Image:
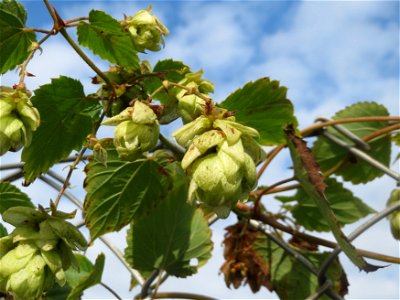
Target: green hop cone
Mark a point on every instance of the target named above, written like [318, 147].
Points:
[137, 131]
[18, 118]
[146, 30]
[394, 218]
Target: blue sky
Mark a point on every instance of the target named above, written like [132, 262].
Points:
[329, 54]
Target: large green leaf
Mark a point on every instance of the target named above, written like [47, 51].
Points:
[15, 8]
[65, 124]
[292, 280]
[263, 105]
[11, 196]
[121, 191]
[90, 279]
[308, 173]
[356, 170]
[171, 236]
[347, 208]
[14, 41]
[105, 37]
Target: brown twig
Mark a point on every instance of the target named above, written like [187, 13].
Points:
[380, 132]
[177, 295]
[271, 155]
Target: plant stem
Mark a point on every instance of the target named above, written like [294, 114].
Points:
[271, 155]
[28, 29]
[380, 132]
[176, 295]
[76, 20]
[110, 290]
[175, 148]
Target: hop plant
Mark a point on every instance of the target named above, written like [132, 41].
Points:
[137, 130]
[18, 118]
[394, 218]
[38, 251]
[222, 170]
[146, 30]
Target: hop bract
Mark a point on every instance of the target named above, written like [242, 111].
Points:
[223, 171]
[18, 118]
[37, 253]
[137, 131]
[147, 30]
[394, 218]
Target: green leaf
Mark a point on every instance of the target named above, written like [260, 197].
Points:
[308, 173]
[346, 207]
[64, 125]
[74, 276]
[105, 37]
[263, 105]
[58, 293]
[290, 279]
[3, 231]
[11, 196]
[15, 8]
[329, 155]
[90, 279]
[121, 191]
[14, 41]
[171, 236]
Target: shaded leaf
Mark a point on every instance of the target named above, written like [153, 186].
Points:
[90, 279]
[263, 105]
[307, 172]
[171, 235]
[105, 37]
[290, 279]
[74, 276]
[346, 207]
[120, 192]
[329, 155]
[58, 293]
[14, 41]
[65, 123]
[3, 231]
[11, 196]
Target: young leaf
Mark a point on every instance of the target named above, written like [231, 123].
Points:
[89, 280]
[65, 123]
[290, 279]
[105, 37]
[170, 236]
[15, 8]
[14, 41]
[346, 207]
[121, 191]
[308, 173]
[11, 196]
[353, 169]
[263, 105]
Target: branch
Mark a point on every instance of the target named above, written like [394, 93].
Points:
[176, 295]
[271, 155]
[380, 132]
[175, 148]
[110, 290]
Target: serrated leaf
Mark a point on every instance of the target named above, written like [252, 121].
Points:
[263, 105]
[15, 8]
[353, 169]
[89, 280]
[307, 172]
[290, 279]
[105, 37]
[64, 125]
[121, 191]
[14, 41]
[11, 196]
[346, 207]
[171, 236]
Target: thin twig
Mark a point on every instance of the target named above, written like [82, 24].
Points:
[175, 148]
[327, 284]
[270, 157]
[110, 290]
[380, 132]
[76, 20]
[19, 165]
[147, 284]
[27, 29]
[13, 176]
[357, 232]
[177, 295]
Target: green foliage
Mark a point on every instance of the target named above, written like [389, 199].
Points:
[65, 123]
[11, 196]
[171, 236]
[105, 37]
[121, 191]
[353, 169]
[346, 207]
[263, 105]
[15, 43]
[292, 280]
[3, 231]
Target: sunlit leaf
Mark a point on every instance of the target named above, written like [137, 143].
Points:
[105, 37]
[65, 124]
[263, 105]
[11, 196]
[171, 236]
[330, 155]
